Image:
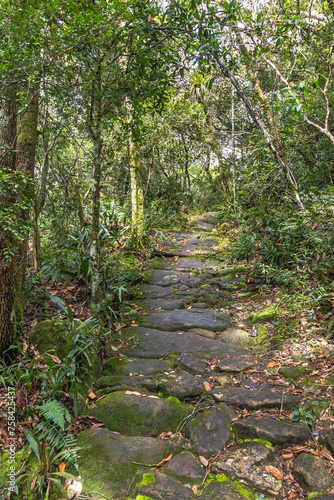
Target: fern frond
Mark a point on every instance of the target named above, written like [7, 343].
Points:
[55, 413]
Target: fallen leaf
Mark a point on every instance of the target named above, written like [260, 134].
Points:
[273, 363]
[287, 455]
[62, 467]
[207, 386]
[327, 454]
[134, 393]
[164, 461]
[91, 395]
[274, 472]
[33, 483]
[203, 461]
[55, 359]
[194, 489]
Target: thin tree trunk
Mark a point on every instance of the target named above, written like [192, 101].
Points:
[96, 134]
[233, 149]
[137, 197]
[40, 197]
[8, 121]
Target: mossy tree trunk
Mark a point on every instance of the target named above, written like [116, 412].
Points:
[8, 121]
[40, 195]
[25, 163]
[95, 128]
[137, 195]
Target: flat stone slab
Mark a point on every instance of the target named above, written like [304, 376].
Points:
[164, 487]
[247, 398]
[167, 278]
[210, 430]
[151, 343]
[157, 292]
[203, 333]
[103, 454]
[192, 364]
[181, 385]
[246, 462]
[184, 263]
[165, 305]
[235, 365]
[203, 226]
[137, 415]
[185, 320]
[186, 468]
[125, 366]
[272, 430]
[124, 382]
[222, 491]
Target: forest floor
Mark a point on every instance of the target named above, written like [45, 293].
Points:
[204, 392]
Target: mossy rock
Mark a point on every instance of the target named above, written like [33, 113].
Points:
[29, 471]
[292, 372]
[262, 335]
[50, 336]
[140, 416]
[111, 464]
[266, 316]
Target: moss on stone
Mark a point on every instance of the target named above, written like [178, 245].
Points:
[262, 335]
[114, 366]
[148, 478]
[50, 336]
[221, 478]
[124, 414]
[32, 469]
[266, 316]
[292, 372]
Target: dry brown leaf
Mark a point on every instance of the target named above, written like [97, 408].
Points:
[119, 326]
[203, 461]
[91, 395]
[287, 455]
[62, 467]
[273, 363]
[274, 472]
[327, 454]
[194, 489]
[207, 386]
[314, 452]
[33, 483]
[164, 461]
[134, 393]
[55, 359]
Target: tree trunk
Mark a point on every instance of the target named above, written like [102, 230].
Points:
[96, 134]
[40, 197]
[137, 197]
[8, 120]
[25, 163]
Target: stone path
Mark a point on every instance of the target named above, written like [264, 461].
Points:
[170, 428]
